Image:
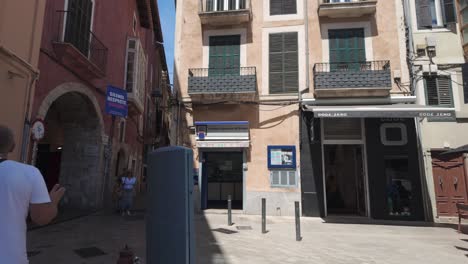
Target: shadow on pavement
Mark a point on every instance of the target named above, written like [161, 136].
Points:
[207, 249]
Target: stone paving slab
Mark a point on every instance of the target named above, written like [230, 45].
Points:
[328, 243]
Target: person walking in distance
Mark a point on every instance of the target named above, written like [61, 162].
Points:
[128, 183]
[22, 190]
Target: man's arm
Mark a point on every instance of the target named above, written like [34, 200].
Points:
[44, 213]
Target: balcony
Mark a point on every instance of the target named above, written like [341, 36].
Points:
[77, 48]
[223, 84]
[224, 12]
[346, 8]
[360, 79]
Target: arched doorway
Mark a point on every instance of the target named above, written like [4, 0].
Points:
[71, 151]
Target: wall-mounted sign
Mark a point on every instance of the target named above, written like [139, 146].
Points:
[116, 101]
[281, 157]
[223, 144]
[38, 130]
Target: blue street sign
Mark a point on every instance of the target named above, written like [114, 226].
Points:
[116, 101]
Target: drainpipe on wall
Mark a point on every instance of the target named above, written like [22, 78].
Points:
[306, 19]
[27, 121]
[428, 215]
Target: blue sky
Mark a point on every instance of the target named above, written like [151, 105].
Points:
[167, 14]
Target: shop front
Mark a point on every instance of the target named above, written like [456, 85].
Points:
[222, 150]
[363, 161]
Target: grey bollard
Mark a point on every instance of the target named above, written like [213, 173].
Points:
[229, 210]
[298, 222]
[264, 216]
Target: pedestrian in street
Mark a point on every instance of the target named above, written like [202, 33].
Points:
[128, 184]
[22, 190]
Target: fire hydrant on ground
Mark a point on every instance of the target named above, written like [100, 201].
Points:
[126, 256]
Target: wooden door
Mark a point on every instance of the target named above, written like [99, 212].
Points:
[449, 183]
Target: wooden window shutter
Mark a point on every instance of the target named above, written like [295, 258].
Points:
[449, 11]
[423, 14]
[431, 91]
[438, 91]
[444, 87]
[283, 62]
[283, 7]
[276, 7]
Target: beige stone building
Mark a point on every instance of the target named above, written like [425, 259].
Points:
[20, 41]
[440, 80]
[303, 100]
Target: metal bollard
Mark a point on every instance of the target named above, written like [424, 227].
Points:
[298, 222]
[264, 216]
[229, 210]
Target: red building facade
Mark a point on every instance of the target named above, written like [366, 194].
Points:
[86, 46]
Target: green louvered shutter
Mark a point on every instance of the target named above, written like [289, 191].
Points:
[283, 63]
[79, 24]
[224, 55]
[283, 7]
[438, 91]
[347, 48]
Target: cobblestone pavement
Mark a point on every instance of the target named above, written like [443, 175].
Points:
[327, 243]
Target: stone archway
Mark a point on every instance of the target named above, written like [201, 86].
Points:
[71, 152]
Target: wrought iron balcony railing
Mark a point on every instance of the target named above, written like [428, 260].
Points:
[73, 30]
[222, 80]
[369, 74]
[223, 5]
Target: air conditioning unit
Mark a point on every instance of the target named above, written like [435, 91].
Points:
[430, 69]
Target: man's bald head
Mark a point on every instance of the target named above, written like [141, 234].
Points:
[7, 140]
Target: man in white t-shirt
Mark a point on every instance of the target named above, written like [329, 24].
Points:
[22, 190]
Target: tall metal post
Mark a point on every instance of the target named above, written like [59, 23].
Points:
[108, 157]
[298, 222]
[229, 211]
[264, 216]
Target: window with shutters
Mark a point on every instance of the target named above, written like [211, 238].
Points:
[435, 13]
[136, 69]
[283, 178]
[283, 7]
[283, 63]
[347, 48]
[439, 91]
[224, 55]
[78, 24]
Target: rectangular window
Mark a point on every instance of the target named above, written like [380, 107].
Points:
[78, 24]
[439, 91]
[283, 7]
[224, 55]
[136, 69]
[283, 62]
[283, 178]
[435, 13]
[347, 48]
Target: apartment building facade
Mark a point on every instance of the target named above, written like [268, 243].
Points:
[88, 45]
[438, 66]
[239, 69]
[20, 42]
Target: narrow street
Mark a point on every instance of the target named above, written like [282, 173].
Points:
[97, 239]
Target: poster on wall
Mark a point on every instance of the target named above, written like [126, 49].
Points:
[281, 157]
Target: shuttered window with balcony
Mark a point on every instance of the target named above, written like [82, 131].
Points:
[78, 24]
[283, 62]
[347, 48]
[224, 55]
[283, 7]
[439, 91]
